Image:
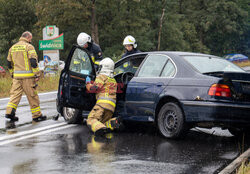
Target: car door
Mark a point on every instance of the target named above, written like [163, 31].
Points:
[72, 86]
[145, 87]
[129, 64]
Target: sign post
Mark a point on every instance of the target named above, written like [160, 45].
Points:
[51, 44]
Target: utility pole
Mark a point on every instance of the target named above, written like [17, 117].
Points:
[94, 26]
[160, 29]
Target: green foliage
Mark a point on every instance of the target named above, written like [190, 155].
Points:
[215, 27]
[71, 17]
[15, 18]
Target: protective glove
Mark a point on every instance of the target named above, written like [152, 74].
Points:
[88, 79]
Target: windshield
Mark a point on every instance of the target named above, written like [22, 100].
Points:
[205, 64]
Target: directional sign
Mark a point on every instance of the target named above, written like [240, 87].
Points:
[52, 44]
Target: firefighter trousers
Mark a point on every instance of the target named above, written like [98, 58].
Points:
[28, 86]
[100, 118]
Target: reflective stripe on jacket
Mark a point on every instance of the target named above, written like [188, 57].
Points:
[20, 55]
[105, 89]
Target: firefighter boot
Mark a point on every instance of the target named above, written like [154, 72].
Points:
[117, 124]
[11, 117]
[102, 131]
[41, 118]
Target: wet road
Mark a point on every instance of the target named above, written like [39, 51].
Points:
[62, 148]
[139, 150]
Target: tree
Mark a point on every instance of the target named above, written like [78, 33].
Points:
[71, 17]
[15, 18]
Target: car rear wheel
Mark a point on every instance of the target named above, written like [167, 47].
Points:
[170, 121]
[72, 115]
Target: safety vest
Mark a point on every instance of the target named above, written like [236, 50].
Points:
[105, 89]
[20, 54]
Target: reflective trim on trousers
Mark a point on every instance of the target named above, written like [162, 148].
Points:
[12, 105]
[108, 125]
[35, 110]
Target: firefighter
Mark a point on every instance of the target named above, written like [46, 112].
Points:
[85, 41]
[22, 63]
[100, 118]
[130, 45]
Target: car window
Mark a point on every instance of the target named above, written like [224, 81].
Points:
[130, 65]
[80, 62]
[169, 70]
[153, 65]
[205, 64]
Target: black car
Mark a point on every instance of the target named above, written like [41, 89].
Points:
[174, 90]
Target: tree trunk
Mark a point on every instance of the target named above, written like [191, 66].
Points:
[94, 26]
[159, 34]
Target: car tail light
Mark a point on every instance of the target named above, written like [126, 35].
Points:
[219, 90]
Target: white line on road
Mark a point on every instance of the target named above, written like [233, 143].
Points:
[31, 131]
[36, 134]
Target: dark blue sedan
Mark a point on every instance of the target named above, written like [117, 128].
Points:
[174, 90]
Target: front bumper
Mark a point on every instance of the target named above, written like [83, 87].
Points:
[219, 112]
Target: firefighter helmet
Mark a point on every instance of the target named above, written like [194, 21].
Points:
[107, 67]
[83, 38]
[130, 40]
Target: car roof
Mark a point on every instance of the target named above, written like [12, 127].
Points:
[178, 53]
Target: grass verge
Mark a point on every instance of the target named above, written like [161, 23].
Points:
[46, 84]
[243, 64]
[244, 168]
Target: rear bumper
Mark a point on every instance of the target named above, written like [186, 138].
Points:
[220, 112]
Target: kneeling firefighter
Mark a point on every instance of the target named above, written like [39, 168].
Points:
[100, 119]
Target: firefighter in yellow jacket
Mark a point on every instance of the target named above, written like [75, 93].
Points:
[100, 118]
[22, 63]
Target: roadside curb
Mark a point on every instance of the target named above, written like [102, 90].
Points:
[236, 163]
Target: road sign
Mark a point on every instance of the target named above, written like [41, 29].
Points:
[52, 44]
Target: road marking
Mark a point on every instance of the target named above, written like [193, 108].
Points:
[31, 131]
[36, 134]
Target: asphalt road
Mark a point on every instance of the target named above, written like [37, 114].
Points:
[48, 107]
[55, 147]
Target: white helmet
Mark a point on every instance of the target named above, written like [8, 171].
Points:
[107, 67]
[83, 38]
[130, 40]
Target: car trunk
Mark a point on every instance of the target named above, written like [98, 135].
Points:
[239, 83]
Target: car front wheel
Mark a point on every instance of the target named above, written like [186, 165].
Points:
[170, 121]
[72, 115]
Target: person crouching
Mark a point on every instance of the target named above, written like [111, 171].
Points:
[100, 119]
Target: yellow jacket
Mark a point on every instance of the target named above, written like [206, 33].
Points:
[19, 55]
[105, 89]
